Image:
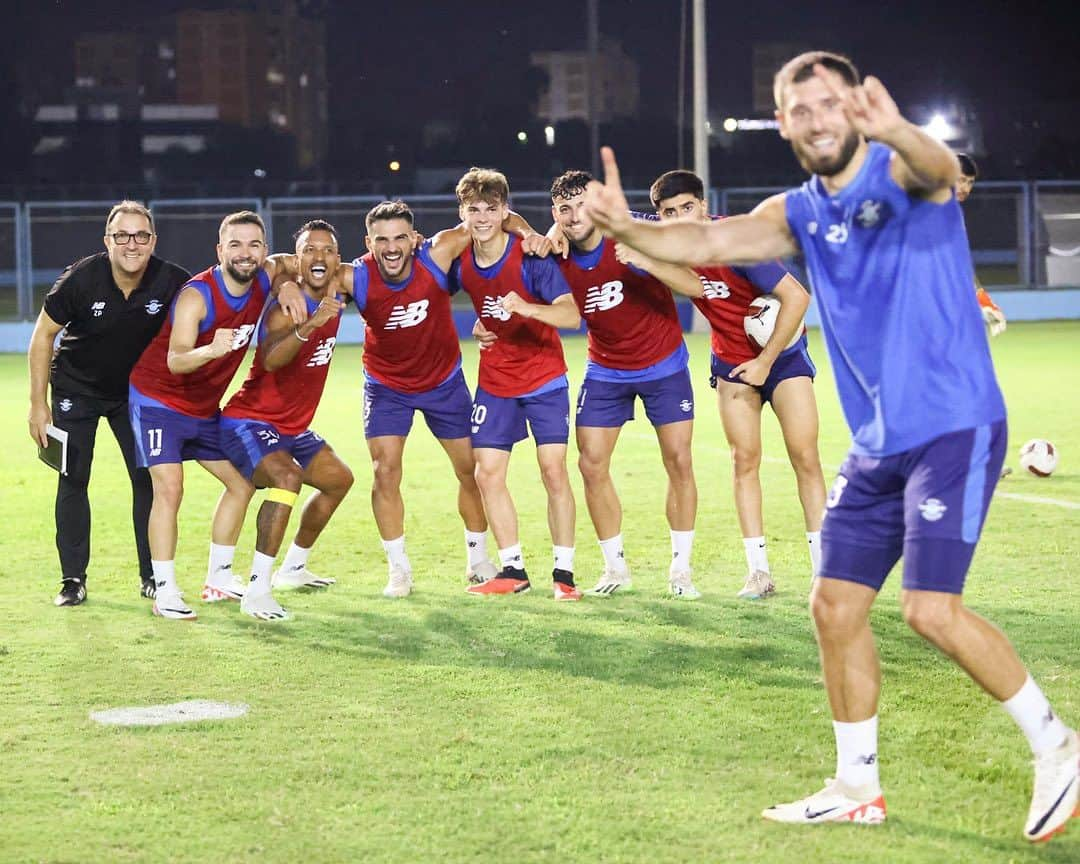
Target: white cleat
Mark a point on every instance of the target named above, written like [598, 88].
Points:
[221, 586]
[835, 803]
[299, 577]
[758, 586]
[399, 584]
[262, 606]
[483, 572]
[172, 606]
[610, 582]
[681, 586]
[1054, 801]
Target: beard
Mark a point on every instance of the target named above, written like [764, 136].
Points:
[828, 166]
[239, 276]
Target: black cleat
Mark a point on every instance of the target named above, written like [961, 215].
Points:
[148, 589]
[72, 593]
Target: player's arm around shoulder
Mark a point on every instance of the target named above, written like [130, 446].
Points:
[188, 314]
[562, 312]
[446, 246]
[681, 280]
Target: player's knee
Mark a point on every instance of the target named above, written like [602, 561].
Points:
[488, 478]
[555, 478]
[169, 491]
[832, 616]
[745, 461]
[593, 469]
[286, 476]
[679, 463]
[930, 617]
[386, 473]
[805, 460]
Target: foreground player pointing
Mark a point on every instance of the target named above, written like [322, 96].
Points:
[885, 245]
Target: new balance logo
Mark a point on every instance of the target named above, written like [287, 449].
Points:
[492, 309]
[407, 316]
[324, 351]
[98, 308]
[600, 298]
[242, 335]
[714, 289]
[866, 760]
[268, 436]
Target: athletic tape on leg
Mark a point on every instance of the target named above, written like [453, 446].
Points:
[282, 496]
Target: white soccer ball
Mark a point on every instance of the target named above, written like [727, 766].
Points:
[760, 321]
[1039, 457]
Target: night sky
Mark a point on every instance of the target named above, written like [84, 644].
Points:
[394, 65]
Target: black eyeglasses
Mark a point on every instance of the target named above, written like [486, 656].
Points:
[122, 238]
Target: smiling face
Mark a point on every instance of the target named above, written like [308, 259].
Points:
[573, 218]
[483, 218]
[317, 252]
[813, 121]
[390, 242]
[242, 250]
[129, 258]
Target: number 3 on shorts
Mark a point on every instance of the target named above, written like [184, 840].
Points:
[838, 487]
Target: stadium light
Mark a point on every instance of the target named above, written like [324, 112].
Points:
[730, 124]
[395, 165]
[549, 136]
[522, 136]
[939, 128]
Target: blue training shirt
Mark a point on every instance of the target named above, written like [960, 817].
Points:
[892, 277]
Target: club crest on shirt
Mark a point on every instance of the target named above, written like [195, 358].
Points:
[869, 213]
[65, 405]
[154, 306]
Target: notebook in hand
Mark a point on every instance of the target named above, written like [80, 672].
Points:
[56, 454]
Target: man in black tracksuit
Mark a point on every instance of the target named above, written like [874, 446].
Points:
[110, 306]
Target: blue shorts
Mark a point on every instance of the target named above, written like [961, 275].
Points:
[166, 437]
[611, 403]
[248, 442]
[927, 504]
[446, 408]
[794, 363]
[498, 422]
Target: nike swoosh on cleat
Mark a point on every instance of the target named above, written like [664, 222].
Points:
[811, 814]
[1037, 827]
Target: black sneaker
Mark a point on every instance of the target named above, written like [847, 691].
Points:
[148, 589]
[72, 593]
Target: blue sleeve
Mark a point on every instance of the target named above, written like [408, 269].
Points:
[359, 284]
[453, 278]
[208, 299]
[764, 276]
[423, 254]
[544, 279]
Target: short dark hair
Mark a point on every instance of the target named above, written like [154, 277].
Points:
[801, 68]
[316, 225]
[242, 217]
[397, 209]
[967, 166]
[677, 182]
[570, 183]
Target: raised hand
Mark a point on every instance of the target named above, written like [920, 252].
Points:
[606, 202]
[868, 106]
[515, 305]
[536, 244]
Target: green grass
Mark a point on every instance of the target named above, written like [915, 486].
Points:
[447, 728]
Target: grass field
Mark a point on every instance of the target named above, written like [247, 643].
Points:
[448, 728]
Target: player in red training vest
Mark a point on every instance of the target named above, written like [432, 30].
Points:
[412, 362]
[176, 387]
[636, 349]
[746, 377]
[265, 434]
[522, 385]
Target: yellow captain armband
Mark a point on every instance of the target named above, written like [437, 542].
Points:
[282, 496]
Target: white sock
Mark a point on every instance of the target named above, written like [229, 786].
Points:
[295, 558]
[164, 576]
[395, 554]
[856, 752]
[261, 565]
[614, 558]
[813, 540]
[682, 542]
[564, 558]
[476, 546]
[756, 557]
[221, 561]
[1036, 719]
[511, 557]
